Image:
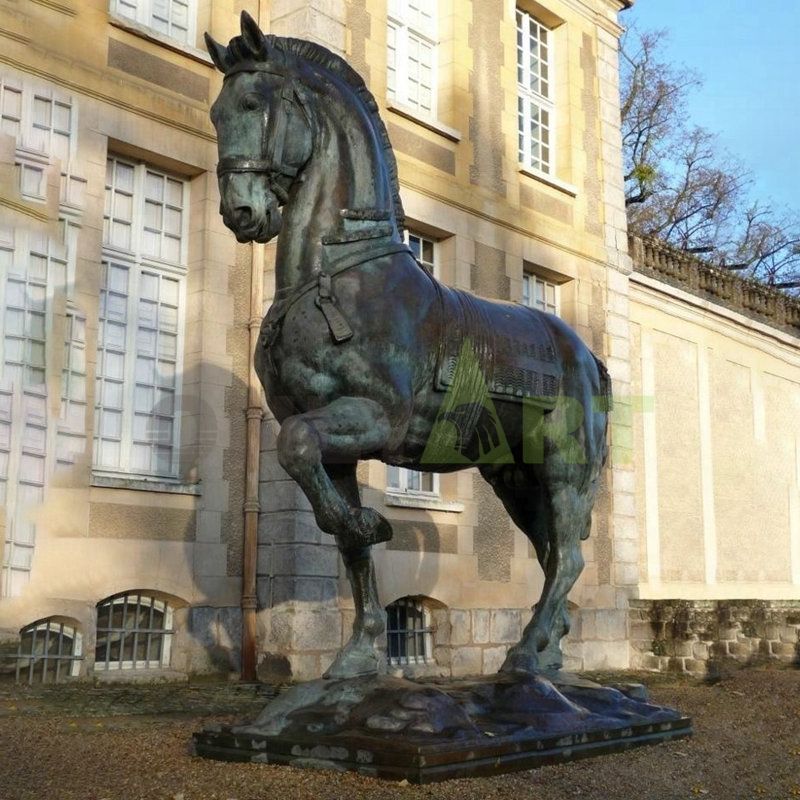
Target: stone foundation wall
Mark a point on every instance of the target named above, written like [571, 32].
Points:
[704, 636]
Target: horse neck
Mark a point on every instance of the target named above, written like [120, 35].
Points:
[346, 171]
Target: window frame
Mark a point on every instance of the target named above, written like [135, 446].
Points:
[401, 487]
[421, 612]
[533, 281]
[398, 20]
[73, 659]
[144, 15]
[528, 98]
[167, 632]
[138, 264]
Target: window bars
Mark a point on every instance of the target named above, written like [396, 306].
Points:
[48, 651]
[409, 633]
[134, 631]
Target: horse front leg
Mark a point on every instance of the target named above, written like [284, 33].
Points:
[358, 656]
[339, 433]
[320, 449]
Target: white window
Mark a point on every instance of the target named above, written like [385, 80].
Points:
[48, 651]
[535, 108]
[31, 267]
[71, 438]
[400, 479]
[134, 631]
[424, 249]
[141, 321]
[411, 54]
[539, 293]
[409, 634]
[173, 18]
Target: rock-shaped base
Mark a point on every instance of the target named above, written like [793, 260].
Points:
[438, 729]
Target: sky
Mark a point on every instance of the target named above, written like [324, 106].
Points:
[748, 54]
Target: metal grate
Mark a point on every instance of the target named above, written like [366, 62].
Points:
[48, 651]
[409, 634]
[134, 631]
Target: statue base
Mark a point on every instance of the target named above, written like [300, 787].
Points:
[438, 729]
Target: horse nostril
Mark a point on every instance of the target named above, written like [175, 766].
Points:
[243, 214]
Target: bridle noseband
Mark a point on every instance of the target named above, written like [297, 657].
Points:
[273, 139]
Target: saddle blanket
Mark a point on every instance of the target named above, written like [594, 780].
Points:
[501, 349]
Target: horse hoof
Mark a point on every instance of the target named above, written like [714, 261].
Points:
[372, 527]
[353, 664]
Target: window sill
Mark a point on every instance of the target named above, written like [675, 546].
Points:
[555, 183]
[153, 675]
[432, 125]
[144, 484]
[408, 500]
[137, 29]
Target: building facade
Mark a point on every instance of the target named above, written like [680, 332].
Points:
[145, 509]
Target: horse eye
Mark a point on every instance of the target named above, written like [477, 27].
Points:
[251, 102]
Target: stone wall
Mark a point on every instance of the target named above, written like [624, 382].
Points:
[704, 637]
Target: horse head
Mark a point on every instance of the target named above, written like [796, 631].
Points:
[264, 131]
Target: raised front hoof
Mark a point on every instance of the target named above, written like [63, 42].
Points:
[368, 527]
[355, 662]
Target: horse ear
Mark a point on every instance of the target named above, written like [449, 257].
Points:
[218, 52]
[252, 35]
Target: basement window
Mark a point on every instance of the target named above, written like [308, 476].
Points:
[49, 651]
[134, 631]
[409, 632]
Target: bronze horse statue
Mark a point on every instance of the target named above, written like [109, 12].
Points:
[364, 355]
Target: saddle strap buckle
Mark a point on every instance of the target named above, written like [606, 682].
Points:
[325, 301]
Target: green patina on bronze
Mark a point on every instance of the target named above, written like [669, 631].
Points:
[365, 355]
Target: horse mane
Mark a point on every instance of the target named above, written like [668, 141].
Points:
[287, 48]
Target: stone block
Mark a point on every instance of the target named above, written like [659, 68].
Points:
[441, 626]
[505, 626]
[442, 655]
[695, 666]
[304, 666]
[460, 632]
[790, 634]
[493, 658]
[784, 650]
[650, 662]
[611, 625]
[700, 651]
[606, 655]
[306, 630]
[318, 560]
[304, 589]
[740, 649]
[466, 661]
[480, 626]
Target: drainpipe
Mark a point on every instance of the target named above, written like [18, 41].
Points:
[252, 507]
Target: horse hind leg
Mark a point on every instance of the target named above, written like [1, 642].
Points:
[526, 501]
[539, 647]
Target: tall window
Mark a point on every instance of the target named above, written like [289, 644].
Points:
[539, 293]
[535, 109]
[48, 651]
[141, 315]
[409, 632]
[134, 631]
[173, 18]
[31, 269]
[411, 54]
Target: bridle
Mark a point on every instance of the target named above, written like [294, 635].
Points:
[273, 138]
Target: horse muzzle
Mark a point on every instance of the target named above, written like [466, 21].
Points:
[251, 225]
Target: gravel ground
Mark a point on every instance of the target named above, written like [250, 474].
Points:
[131, 742]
